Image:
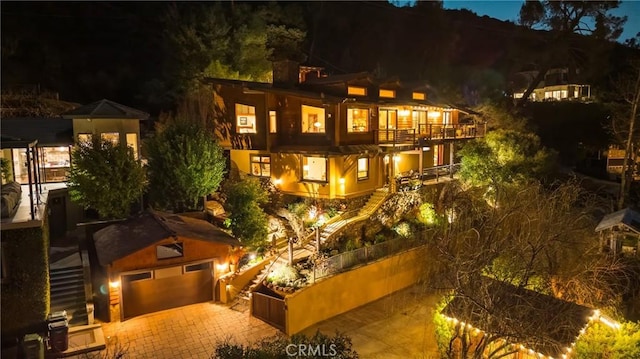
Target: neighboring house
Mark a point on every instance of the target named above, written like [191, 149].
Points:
[615, 160]
[559, 84]
[535, 325]
[157, 261]
[620, 232]
[339, 136]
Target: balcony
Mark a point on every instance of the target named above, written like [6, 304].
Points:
[414, 137]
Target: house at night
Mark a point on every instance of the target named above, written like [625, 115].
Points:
[559, 84]
[338, 137]
[615, 161]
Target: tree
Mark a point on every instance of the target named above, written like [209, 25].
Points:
[627, 91]
[106, 177]
[184, 164]
[538, 239]
[564, 19]
[602, 341]
[244, 198]
[504, 157]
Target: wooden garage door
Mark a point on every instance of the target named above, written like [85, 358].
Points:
[160, 289]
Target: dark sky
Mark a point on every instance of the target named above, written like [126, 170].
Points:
[509, 9]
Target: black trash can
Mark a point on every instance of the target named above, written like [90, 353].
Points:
[59, 335]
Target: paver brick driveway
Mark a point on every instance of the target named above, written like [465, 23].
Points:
[185, 332]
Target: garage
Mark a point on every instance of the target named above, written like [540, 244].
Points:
[166, 288]
[158, 261]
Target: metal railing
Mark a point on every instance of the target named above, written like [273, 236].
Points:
[426, 132]
[343, 261]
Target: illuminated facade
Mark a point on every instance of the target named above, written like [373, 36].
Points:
[338, 136]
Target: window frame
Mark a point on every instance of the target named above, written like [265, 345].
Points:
[350, 119]
[273, 121]
[305, 163]
[179, 244]
[114, 142]
[251, 122]
[321, 118]
[260, 162]
[366, 171]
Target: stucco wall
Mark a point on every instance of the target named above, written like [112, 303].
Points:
[238, 282]
[193, 250]
[354, 288]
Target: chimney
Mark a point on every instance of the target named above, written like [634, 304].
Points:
[285, 73]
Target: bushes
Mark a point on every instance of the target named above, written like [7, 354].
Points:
[320, 345]
[25, 291]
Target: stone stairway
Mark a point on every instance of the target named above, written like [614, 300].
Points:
[374, 202]
[67, 293]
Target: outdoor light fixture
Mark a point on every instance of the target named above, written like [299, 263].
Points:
[386, 159]
[277, 181]
[252, 256]
[341, 180]
[396, 158]
[222, 266]
[426, 149]
[114, 284]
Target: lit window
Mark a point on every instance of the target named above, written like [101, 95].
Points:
[357, 120]
[564, 94]
[113, 137]
[272, 122]
[171, 250]
[314, 168]
[446, 118]
[261, 166]
[419, 96]
[312, 119]
[358, 91]
[518, 95]
[363, 168]
[84, 137]
[419, 119]
[245, 119]
[56, 162]
[132, 141]
[387, 93]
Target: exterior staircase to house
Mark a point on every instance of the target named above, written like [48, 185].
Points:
[372, 205]
[67, 293]
[308, 247]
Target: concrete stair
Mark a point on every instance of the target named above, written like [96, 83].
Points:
[67, 293]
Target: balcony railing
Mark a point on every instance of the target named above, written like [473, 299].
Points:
[429, 132]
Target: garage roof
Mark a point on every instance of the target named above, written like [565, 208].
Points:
[121, 239]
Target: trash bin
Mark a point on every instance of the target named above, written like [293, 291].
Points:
[57, 316]
[33, 346]
[59, 335]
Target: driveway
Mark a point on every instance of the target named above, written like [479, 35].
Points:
[397, 326]
[186, 332]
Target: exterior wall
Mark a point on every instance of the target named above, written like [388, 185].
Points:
[346, 167]
[102, 125]
[241, 159]
[193, 250]
[286, 170]
[230, 286]
[230, 96]
[354, 288]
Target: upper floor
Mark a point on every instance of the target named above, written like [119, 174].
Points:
[335, 111]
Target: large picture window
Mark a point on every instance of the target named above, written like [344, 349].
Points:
[363, 168]
[357, 120]
[261, 166]
[313, 119]
[314, 168]
[245, 118]
[56, 163]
